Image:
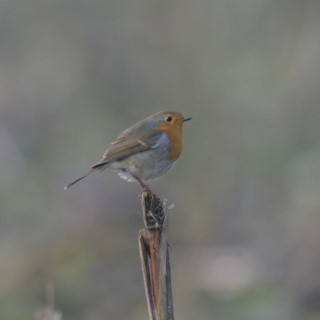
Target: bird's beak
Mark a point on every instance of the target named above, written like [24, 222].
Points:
[186, 119]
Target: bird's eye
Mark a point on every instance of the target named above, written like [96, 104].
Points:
[168, 119]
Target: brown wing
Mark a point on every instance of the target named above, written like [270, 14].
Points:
[138, 138]
[126, 146]
[121, 149]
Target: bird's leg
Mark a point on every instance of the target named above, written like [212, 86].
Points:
[142, 184]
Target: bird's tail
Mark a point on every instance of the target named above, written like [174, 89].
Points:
[80, 178]
[99, 166]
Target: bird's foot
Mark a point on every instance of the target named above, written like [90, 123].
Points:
[144, 186]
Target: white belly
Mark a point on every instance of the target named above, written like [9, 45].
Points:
[148, 165]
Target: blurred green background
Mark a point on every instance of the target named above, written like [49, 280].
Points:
[244, 233]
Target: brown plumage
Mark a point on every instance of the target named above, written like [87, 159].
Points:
[146, 150]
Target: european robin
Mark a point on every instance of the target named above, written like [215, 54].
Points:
[145, 151]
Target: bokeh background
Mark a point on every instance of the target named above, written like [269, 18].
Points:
[244, 232]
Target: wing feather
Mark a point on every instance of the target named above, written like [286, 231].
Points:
[126, 146]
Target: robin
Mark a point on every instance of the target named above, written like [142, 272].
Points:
[145, 151]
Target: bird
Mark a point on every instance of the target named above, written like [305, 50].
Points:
[144, 151]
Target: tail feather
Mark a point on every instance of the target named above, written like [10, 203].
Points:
[77, 180]
[99, 166]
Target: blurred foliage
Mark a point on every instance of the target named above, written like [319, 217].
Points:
[245, 229]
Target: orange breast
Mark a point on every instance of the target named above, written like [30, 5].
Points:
[174, 133]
